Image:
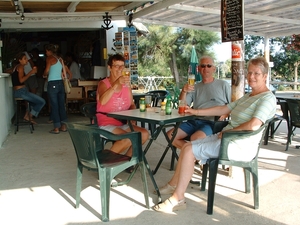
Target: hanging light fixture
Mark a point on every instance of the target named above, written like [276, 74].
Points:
[17, 10]
[22, 17]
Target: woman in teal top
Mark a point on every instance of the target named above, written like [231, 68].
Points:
[55, 89]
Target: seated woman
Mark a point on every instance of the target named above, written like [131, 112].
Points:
[247, 113]
[18, 76]
[114, 94]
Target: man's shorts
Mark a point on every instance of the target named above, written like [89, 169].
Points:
[191, 126]
[31, 83]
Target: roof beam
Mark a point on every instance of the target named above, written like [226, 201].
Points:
[196, 27]
[157, 6]
[246, 15]
[72, 6]
[86, 1]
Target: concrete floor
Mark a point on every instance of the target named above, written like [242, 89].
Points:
[38, 174]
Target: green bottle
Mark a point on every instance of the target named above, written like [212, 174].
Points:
[142, 105]
[169, 106]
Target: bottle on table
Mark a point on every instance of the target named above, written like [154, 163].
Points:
[169, 106]
[142, 105]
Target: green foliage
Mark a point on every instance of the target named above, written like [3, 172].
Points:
[283, 53]
[166, 51]
[252, 46]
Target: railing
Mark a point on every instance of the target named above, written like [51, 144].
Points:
[151, 82]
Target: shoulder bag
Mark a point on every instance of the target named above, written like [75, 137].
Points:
[66, 81]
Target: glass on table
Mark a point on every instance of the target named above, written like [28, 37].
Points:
[181, 107]
[148, 100]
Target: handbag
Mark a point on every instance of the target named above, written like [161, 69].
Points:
[67, 83]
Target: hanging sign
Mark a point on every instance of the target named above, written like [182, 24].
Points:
[232, 20]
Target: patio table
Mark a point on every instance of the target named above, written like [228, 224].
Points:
[282, 98]
[160, 122]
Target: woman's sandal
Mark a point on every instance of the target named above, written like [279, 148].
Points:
[130, 169]
[53, 132]
[30, 121]
[63, 130]
[168, 206]
[166, 190]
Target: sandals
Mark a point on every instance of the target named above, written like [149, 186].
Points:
[168, 206]
[54, 132]
[30, 121]
[130, 169]
[166, 190]
[63, 130]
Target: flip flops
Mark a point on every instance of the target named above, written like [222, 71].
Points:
[54, 132]
[30, 121]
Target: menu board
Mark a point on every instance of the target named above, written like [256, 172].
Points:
[232, 20]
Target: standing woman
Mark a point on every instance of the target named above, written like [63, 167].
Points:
[55, 88]
[18, 76]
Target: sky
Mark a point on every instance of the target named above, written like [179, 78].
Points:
[222, 51]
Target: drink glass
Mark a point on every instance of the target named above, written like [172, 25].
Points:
[126, 73]
[181, 107]
[191, 80]
[148, 100]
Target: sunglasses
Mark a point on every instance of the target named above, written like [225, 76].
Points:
[206, 65]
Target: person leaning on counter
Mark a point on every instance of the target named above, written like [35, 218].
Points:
[114, 94]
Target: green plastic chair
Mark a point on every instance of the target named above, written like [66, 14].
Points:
[89, 142]
[294, 110]
[89, 110]
[249, 166]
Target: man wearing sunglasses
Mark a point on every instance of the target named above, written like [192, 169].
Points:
[208, 93]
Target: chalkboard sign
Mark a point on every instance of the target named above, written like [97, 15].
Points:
[232, 26]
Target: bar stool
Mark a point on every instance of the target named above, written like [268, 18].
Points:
[17, 123]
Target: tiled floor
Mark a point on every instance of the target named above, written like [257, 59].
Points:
[38, 173]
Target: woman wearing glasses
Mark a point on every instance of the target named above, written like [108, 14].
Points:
[114, 94]
[247, 113]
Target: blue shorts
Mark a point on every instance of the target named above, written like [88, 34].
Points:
[191, 126]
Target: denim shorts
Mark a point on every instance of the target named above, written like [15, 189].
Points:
[191, 126]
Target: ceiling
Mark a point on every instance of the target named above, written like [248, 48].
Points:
[269, 18]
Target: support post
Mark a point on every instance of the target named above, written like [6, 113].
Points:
[238, 70]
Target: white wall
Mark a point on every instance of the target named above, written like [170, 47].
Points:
[6, 106]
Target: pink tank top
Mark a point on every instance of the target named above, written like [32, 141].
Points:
[118, 102]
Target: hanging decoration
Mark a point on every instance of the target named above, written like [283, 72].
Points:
[107, 21]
